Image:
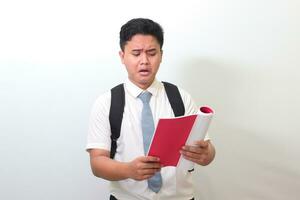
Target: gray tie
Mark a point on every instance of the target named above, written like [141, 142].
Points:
[155, 182]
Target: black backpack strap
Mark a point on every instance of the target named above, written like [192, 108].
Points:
[174, 99]
[116, 115]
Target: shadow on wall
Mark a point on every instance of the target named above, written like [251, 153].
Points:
[250, 164]
[211, 83]
[247, 166]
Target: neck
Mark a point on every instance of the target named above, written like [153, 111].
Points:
[143, 86]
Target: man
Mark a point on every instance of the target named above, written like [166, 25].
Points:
[131, 171]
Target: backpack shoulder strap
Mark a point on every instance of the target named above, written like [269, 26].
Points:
[116, 115]
[174, 99]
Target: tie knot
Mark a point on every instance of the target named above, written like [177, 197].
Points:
[145, 97]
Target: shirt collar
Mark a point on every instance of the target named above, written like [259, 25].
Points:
[135, 90]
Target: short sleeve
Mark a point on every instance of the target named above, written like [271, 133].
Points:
[99, 128]
[189, 104]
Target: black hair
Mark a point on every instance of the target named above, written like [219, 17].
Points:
[141, 26]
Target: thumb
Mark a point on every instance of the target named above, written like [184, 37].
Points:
[203, 144]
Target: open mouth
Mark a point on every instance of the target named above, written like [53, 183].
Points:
[144, 72]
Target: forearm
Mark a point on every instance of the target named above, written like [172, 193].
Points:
[109, 169]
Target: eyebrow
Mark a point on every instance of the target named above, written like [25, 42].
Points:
[150, 50]
[135, 50]
[138, 50]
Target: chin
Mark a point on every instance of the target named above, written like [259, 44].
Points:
[145, 83]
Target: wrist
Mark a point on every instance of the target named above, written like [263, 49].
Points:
[125, 170]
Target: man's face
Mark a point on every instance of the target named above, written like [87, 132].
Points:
[142, 57]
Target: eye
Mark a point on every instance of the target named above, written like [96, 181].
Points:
[135, 53]
[152, 54]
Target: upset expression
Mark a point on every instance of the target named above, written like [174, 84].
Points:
[141, 56]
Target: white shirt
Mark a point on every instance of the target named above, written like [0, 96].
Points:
[177, 184]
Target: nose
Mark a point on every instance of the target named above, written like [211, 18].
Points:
[144, 59]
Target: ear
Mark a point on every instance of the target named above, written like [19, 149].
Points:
[121, 54]
[161, 55]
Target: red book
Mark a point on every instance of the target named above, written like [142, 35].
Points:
[172, 134]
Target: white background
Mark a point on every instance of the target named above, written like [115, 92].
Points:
[239, 56]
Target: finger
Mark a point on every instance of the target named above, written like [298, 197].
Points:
[152, 166]
[195, 160]
[148, 165]
[150, 159]
[191, 154]
[143, 177]
[147, 172]
[151, 171]
[202, 143]
[194, 149]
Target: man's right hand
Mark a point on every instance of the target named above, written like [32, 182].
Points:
[138, 169]
[143, 167]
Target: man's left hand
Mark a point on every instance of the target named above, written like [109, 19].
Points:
[202, 152]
